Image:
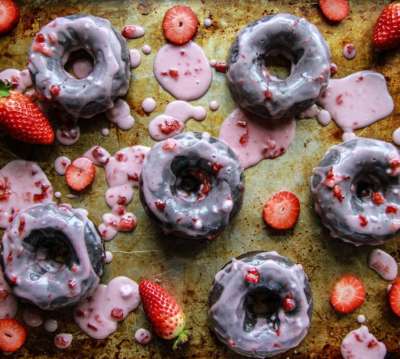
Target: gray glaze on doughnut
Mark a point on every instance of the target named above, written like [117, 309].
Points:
[110, 76]
[266, 96]
[35, 276]
[343, 187]
[259, 336]
[192, 185]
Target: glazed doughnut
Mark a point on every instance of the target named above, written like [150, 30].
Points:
[356, 191]
[255, 90]
[109, 78]
[270, 304]
[192, 185]
[52, 255]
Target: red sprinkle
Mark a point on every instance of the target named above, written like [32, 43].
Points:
[55, 90]
[252, 276]
[169, 146]
[288, 304]
[169, 126]
[21, 225]
[220, 66]
[378, 198]
[173, 73]
[339, 99]
[337, 192]
[40, 38]
[267, 94]
[244, 138]
[216, 167]
[241, 124]
[160, 205]
[363, 220]
[129, 31]
[391, 209]
[117, 313]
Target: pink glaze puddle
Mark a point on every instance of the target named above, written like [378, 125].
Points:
[213, 105]
[172, 121]
[99, 314]
[360, 344]
[384, 264]
[132, 32]
[143, 336]
[349, 51]
[135, 58]
[253, 142]
[68, 136]
[60, 165]
[82, 68]
[358, 100]
[98, 155]
[149, 105]
[323, 116]
[63, 340]
[146, 49]
[183, 71]
[22, 184]
[120, 115]
[21, 80]
[8, 303]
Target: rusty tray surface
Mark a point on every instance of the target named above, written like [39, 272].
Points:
[186, 270]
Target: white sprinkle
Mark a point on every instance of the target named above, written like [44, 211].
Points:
[213, 105]
[126, 291]
[146, 49]
[143, 336]
[208, 22]
[361, 319]
[51, 325]
[57, 194]
[105, 131]
[109, 257]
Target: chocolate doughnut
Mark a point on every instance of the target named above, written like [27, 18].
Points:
[260, 304]
[356, 191]
[255, 90]
[191, 185]
[109, 78]
[52, 256]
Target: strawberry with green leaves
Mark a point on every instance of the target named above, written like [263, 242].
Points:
[164, 313]
[22, 119]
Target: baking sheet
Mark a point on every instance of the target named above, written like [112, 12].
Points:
[189, 271]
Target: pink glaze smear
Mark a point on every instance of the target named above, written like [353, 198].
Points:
[120, 115]
[99, 314]
[183, 71]
[60, 165]
[360, 344]
[253, 142]
[22, 184]
[349, 51]
[21, 80]
[143, 336]
[63, 340]
[358, 100]
[384, 264]
[172, 121]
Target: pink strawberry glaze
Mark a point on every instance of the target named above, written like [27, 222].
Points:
[360, 344]
[22, 184]
[183, 71]
[120, 115]
[349, 51]
[172, 121]
[99, 314]
[60, 164]
[63, 340]
[149, 104]
[358, 100]
[68, 136]
[253, 142]
[384, 264]
[98, 155]
[82, 68]
[135, 58]
[132, 32]
[143, 336]
[323, 116]
[21, 80]
[8, 303]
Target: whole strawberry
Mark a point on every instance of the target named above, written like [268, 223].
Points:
[164, 313]
[387, 29]
[22, 119]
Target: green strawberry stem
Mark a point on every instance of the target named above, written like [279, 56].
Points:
[5, 88]
[183, 337]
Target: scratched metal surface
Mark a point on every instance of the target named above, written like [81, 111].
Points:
[189, 271]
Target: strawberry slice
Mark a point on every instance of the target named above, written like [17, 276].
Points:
[180, 24]
[12, 335]
[394, 297]
[9, 16]
[348, 294]
[335, 10]
[387, 29]
[282, 210]
[80, 174]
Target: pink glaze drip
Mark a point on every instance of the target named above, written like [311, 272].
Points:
[349, 51]
[149, 104]
[60, 165]
[82, 68]
[360, 344]
[22, 184]
[384, 264]
[120, 115]
[132, 31]
[323, 116]
[99, 314]
[68, 136]
[358, 100]
[172, 121]
[21, 80]
[135, 58]
[63, 340]
[253, 142]
[143, 336]
[8, 303]
[183, 71]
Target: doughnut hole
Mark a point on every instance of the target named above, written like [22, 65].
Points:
[79, 64]
[262, 304]
[51, 249]
[193, 178]
[278, 65]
